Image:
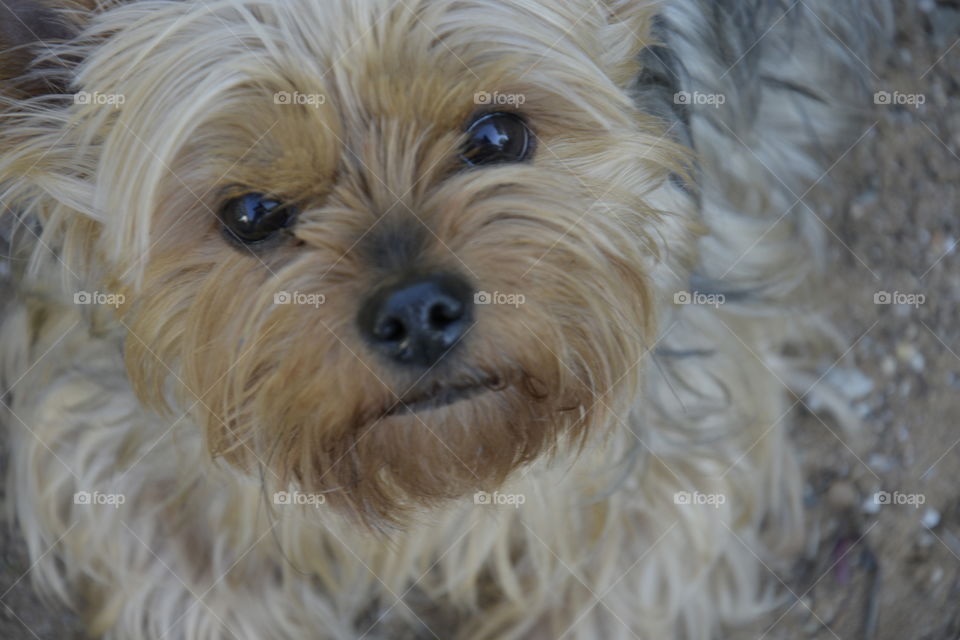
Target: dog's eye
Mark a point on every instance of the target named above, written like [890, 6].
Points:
[497, 138]
[254, 217]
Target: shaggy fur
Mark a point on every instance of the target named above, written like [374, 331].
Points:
[198, 397]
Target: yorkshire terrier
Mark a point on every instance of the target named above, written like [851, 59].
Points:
[416, 318]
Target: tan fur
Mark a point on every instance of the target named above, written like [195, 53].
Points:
[199, 397]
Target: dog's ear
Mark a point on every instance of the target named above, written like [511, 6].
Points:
[28, 29]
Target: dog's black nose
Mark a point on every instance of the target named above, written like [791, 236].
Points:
[417, 321]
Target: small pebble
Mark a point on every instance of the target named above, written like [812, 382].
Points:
[870, 506]
[905, 351]
[862, 204]
[852, 383]
[888, 366]
[842, 495]
[880, 463]
[931, 518]
[949, 245]
[918, 362]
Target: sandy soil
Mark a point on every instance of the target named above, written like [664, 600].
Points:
[874, 571]
[892, 571]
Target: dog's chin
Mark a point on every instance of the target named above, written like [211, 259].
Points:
[437, 442]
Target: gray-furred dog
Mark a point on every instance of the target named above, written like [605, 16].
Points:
[453, 318]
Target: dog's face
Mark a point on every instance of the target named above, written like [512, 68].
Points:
[387, 251]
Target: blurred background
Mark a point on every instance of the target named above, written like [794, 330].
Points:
[884, 509]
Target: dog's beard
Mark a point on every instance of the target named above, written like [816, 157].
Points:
[290, 392]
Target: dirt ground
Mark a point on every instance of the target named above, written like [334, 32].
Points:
[879, 566]
[888, 567]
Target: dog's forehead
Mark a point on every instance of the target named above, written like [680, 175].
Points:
[342, 27]
[466, 42]
[434, 62]
[247, 92]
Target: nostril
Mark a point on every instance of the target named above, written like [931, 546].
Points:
[445, 312]
[390, 330]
